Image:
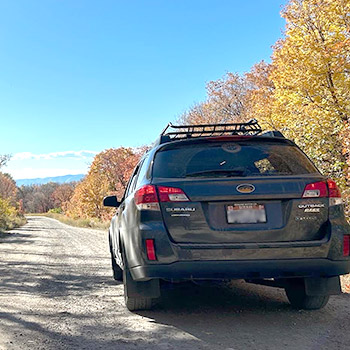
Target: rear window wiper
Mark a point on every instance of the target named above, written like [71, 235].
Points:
[226, 172]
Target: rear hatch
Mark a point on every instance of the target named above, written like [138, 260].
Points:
[244, 191]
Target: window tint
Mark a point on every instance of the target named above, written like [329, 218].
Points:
[230, 160]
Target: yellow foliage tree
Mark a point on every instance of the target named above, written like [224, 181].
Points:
[305, 91]
[10, 216]
[260, 95]
[311, 77]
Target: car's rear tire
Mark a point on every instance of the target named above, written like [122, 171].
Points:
[299, 300]
[117, 271]
[135, 303]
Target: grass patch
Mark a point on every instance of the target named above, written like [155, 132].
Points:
[87, 223]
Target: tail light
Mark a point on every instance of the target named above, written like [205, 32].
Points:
[146, 198]
[323, 189]
[334, 193]
[315, 190]
[172, 194]
[346, 245]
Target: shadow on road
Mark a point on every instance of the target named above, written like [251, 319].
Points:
[58, 293]
[193, 317]
[9, 237]
[243, 316]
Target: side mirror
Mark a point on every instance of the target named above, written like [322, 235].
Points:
[111, 201]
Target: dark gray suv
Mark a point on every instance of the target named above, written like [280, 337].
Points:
[225, 201]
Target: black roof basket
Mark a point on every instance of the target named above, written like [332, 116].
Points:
[179, 132]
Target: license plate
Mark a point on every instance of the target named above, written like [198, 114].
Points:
[246, 213]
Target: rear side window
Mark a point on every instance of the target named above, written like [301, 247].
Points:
[143, 171]
[231, 160]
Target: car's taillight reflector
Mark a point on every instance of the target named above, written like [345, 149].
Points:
[146, 198]
[334, 193]
[315, 190]
[346, 245]
[172, 194]
[151, 252]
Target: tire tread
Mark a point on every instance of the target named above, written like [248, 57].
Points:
[134, 304]
[299, 300]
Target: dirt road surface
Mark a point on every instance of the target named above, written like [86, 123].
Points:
[56, 292]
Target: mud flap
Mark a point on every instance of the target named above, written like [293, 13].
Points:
[146, 289]
[321, 286]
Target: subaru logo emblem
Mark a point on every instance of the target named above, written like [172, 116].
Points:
[245, 188]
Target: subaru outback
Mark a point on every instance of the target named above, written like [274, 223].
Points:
[226, 201]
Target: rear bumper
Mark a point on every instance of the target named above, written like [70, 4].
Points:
[247, 269]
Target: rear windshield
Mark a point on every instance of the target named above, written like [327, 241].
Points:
[230, 160]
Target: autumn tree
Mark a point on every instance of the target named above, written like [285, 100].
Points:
[8, 188]
[10, 215]
[38, 198]
[311, 77]
[26, 196]
[108, 174]
[305, 90]
[260, 94]
[62, 195]
[228, 98]
[199, 113]
[226, 102]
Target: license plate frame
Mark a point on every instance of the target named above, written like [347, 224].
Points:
[246, 213]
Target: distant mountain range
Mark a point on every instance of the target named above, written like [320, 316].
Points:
[45, 180]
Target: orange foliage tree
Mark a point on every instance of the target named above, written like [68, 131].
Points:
[62, 195]
[108, 174]
[8, 188]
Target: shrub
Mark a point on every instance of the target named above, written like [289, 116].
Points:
[9, 216]
[56, 211]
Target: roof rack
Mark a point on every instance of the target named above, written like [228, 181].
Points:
[179, 132]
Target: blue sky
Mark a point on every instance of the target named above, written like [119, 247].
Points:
[80, 76]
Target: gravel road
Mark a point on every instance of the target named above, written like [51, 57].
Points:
[56, 292]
